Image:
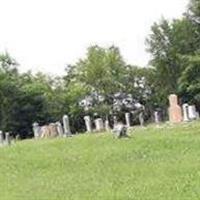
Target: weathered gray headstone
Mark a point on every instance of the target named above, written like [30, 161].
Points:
[88, 124]
[1, 138]
[114, 121]
[107, 125]
[157, 117]
[192, 112]
[7, 138]
[36, 130]
[120, 130]
[67, 130]
[141, 119]
[185, 112]
[128, 119]
[99, 124]
[60, 129]
[17, 137]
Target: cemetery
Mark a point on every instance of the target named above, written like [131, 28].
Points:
[118, 161]
[154, 162]
[177, 114]
[105, 128]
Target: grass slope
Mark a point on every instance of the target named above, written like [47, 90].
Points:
[155, 163]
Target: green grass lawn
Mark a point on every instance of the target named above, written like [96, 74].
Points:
[155, 163]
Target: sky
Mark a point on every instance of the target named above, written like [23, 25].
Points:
[47, 35]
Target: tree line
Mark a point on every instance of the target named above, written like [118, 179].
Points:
[90, 86]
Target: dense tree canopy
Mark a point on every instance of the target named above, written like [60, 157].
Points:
[170, 43]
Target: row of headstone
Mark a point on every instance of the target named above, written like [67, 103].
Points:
[6, 140]
[119, 129]
[56, 129]
[53, 129]
[100, 125]
[178, 114]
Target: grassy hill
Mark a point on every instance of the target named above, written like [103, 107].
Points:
[155, 163]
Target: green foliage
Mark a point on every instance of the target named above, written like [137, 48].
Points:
[26, 98]
[138, 82]
[189, 81]
[194, 10]
[168, 43]
[102, 73]
[102, 70]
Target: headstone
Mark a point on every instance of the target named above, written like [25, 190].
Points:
[60, 129]
[1, 138]
[17, 137]
[53, 130]
[175, 112]
[114, 120]
[120, 130]
[192, 112]
[128, 119]
[141, 119]
[107, 125]
[7, 138]
[157, 117]
[99, 124]
[67, 130]
[185, 112]
[88, 124]
[36, 130]
[45, 131]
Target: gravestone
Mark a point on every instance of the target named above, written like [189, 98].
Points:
[17, 137]
[44, 132]
[114, 120]
[192, 113]
[48, 131]
[157, 117]
[67, 130]
[107, 125]
[53, 130]
[1, 137]
[88, 124]
[141, 119]
[128, 119]
[36, 130]
[175, 112]
[120, 130]
[60, 129]
[185, 112]
[99, 124]
[7, 138]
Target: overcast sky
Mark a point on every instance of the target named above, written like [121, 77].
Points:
[47, 35]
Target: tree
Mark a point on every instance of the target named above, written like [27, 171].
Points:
[189, 82]
[167, 43]
[102, 72]
[194, 10]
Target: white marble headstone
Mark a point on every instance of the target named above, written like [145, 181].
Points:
[128, 119]
[67, 131]
[88, 123]
[192, 113]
